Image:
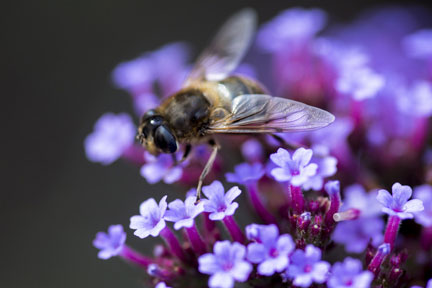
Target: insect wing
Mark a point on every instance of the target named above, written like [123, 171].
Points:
[258, 113]
[226, 50]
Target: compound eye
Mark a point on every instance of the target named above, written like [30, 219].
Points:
[165, 140]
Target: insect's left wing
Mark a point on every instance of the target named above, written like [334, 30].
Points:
[258, 113]
[226, 50]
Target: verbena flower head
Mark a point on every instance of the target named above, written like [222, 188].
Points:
[246, 173]
[226, 265]
[183, 213]
[296, 169]
[306, 267]
[112, 135]
[270, 250]
[219, 204]
[160, 168]
[151, 220]
[111, 243]
[349, 274]
[424, 193]
[398, 204]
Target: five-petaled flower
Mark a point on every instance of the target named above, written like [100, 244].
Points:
[183, 213]
[218, 203]
[398, 204]
[296, 169]
[349, 274]
[226, 265]
[246, 173]
[151, 220]
[270, 250]
[111, 243]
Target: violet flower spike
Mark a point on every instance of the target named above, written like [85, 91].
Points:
[110, 244]
[151, 221]
[349, 274]
[270, 251]
[306, 267]
[226, 265]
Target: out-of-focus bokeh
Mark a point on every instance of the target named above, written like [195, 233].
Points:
[57, 61]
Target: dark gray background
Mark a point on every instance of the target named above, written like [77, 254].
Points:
[57, 57]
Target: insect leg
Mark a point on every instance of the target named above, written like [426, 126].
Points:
[207, 167]
[188, 149]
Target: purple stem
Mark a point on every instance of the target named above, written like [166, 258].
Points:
[211, 231]
[297, 199]
[196, 241]
[173, 244]
[335, 202]
[426, 238]
[375, 264]
[233, 229]
[257, 204]
[392, 228]
[134, 257]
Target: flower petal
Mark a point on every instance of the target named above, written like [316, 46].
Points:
[414, 205]
[384, 198]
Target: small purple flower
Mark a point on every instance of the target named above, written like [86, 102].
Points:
[416, 100]
[161, 285]
[419, 44]
[349, 274]
[110, 244]
[270, 251]
[134, 74]
[252, 150]
[218, 203]
[183, 213]
[398, 204]
[246, 173]
[297, 170]
[424, 193]
[356, 197]
[151, 220]
[145, 101]
[160, 168]
[226, 265]
[306, 267]
[111, 136]
[326, 168]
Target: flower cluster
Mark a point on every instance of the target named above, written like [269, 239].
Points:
[319, 212]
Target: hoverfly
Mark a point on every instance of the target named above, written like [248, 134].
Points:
[213, 102]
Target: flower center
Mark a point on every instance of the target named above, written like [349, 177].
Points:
[274, 253]
[349, 282]
[227, 266]
[307, 268]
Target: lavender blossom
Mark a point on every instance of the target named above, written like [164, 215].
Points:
[111, 243]
[183, 213]
[297, 170]
[226, 265]
[424, 193]
[245, 173]
[306, 267]
[270, 251]
[349, 274]
[160, 168]
[151, 221]
[356, 197]
[252, 150]
[398, 204]
[218, 203]
[111, 136]
[326, 168]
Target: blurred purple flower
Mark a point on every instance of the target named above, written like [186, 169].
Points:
[416, 100]
[245, 173]
[111, 136]
[218, 203]
[160, 168]
[424, 193]
[297, 170]
[349, 274]
[226, 265]
[135, 74]
[110, 244]
[398, 204]
[326, 167]
[293, 25]
[306, 267]
[161, 285]
[151, 220]
[252, 150]
[419, 44]
[270, 251]
[356, 197]
[145, 101]
[183, 213]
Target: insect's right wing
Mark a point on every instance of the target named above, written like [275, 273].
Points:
[256, 113]
[226, 50]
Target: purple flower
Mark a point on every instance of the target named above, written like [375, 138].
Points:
[326, 168]
[160, 168]
[252, 150]
[226, 265]
[218, 203]
[110, 244]
[424, 193]
[416, 100]
[292, 25]
[151, 220]
[246, 173]
[419, 44]
[161, 285]
[297, 169]
[135, 74]
[356, 234]
[111, 136]
[145, 101]
[270, 251]
[356, 197]
[398, 204]
[306, 267]
[183, 213]
[349, 274]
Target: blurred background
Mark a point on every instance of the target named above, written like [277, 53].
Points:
[57, 60]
